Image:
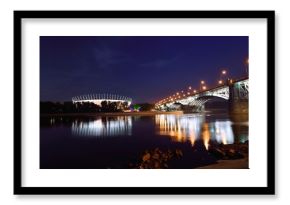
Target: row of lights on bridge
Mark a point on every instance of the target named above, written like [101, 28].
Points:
[190, 91]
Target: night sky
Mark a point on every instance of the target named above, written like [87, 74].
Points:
[145, 68]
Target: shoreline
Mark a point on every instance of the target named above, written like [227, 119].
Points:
[228, 164]
[147, 113]
[221, 163]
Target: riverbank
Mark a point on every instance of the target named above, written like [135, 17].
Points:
[232, 156]
[149, 113]
[238, 159]
[228, 164]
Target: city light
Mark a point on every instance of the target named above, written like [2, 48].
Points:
[98, 98]
[223, 80]
[246, 63]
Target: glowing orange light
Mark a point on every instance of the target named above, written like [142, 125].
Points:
[206, 135]
[224, 138]
[204, 87]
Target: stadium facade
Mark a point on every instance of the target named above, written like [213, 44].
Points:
[99, 98]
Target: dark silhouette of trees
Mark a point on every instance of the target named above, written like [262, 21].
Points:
[144, 106]
[85, 107]
[51, 107]
[104, 106]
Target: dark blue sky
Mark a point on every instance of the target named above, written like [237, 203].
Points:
[145, 68]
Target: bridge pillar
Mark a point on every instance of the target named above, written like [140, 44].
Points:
[238, 99]
[201, 108]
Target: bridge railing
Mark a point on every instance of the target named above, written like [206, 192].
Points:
[200, 92]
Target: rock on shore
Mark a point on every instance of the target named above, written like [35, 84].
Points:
[157, 159]
[234, 156]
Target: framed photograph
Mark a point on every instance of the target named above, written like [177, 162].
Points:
[144, 102]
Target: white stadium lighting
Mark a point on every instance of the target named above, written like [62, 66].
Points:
[98, 98]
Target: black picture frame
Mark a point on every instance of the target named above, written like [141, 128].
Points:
[269, 189]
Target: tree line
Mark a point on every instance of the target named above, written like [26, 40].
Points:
[49, 107]
[84, 107]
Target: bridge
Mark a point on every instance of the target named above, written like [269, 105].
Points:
[234, 91]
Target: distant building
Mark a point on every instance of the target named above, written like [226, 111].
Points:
[99, 98]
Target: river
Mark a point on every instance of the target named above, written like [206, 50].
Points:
[118, 142]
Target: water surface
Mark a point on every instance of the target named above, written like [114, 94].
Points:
[118, 141]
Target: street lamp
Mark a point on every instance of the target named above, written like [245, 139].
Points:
[246, 62]
[202, 84]
[224, 72]
[204, 87]
[220, 82]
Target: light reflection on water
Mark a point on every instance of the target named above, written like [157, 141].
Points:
[121, 125]
[178, 127]
[182, 128]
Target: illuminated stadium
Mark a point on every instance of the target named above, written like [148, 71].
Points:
[99, 98]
